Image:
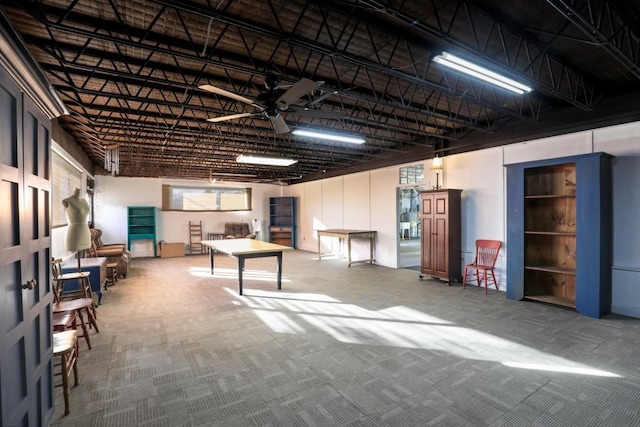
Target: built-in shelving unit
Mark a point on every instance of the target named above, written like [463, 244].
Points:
[559, 232]
[282, 221]
[550, 233]
[141, 222]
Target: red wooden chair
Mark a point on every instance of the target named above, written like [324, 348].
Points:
[483, 266]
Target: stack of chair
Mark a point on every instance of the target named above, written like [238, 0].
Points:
[77, 301]
[115, 252]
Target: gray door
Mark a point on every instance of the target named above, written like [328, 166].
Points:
[26, 370]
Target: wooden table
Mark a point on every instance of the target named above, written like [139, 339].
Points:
[347, 235]
[243, 249]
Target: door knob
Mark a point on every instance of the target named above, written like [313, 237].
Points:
[30, 284]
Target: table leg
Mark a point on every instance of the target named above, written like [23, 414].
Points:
[371, 249]
[279, 257]
[240, 270]
[349, 250]
[211, 260]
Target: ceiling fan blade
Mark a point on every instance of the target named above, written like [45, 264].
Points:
[333, 115]
[279, 125]
[321, 98]
[230, 117]
[298, 90]
[226, 93]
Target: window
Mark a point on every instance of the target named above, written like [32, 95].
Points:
[411, 174]
[66, 178]
[182, 198]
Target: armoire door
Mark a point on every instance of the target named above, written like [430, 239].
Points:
[26, 370]
[440, 218]
[427, 239]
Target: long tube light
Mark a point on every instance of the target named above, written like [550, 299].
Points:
[262, 160]
[328, 136]
[481, 73]
[66, 159]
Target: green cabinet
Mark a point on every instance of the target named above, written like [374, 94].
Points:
[282, 221]
[141, 222]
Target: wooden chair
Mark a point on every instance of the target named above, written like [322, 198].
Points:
[82, 279]
[65, 347]
[483, 266]
[195, 238]
[79, 306]
[66, 321]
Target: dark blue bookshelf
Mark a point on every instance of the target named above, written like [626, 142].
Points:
[559, 227]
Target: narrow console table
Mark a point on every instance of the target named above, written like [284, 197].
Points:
[97, 268]
[347, 235]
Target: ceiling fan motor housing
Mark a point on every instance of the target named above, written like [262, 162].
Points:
[272, 111]
[272, 83]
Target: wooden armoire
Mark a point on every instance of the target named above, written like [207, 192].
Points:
[441, 255]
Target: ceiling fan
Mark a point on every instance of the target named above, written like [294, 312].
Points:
[271, 102]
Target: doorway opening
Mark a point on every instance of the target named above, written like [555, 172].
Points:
[408, 224]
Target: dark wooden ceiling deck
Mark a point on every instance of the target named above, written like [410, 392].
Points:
[129, 71]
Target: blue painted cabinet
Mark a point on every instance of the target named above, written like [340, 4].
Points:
[559, 247]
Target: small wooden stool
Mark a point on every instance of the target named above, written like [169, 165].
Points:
[112, 273]
[65, 347]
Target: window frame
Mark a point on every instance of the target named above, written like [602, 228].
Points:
[62, 170]
[168, 202]
[413, 174]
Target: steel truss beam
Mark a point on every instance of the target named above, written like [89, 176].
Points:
[335, 53]
[604, 25]
[518, 52]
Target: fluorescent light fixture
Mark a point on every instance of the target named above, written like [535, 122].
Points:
[328, 136]
[474, 70]
[249, 175]
[261, 160]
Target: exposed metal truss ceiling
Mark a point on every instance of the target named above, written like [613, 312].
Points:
[129, 72]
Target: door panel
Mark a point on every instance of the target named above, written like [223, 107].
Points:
[26, 395]
[428, 235]
[441, 249]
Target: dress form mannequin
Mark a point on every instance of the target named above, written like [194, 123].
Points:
[78, 234]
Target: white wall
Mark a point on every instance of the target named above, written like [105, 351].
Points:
[480, 175]
[114, 194]
[624, 142]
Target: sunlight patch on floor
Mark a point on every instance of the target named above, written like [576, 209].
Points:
[401, 326]
[565, 369]
[232, 273]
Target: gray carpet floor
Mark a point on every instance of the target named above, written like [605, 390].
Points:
[338, 346]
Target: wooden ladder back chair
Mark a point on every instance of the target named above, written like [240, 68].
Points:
[483, 267]
[195, 238]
